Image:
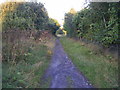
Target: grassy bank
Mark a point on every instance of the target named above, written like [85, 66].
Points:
[101, 71]
[28, 71]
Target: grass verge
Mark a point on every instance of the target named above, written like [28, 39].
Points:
[100, 70]
[28, 71]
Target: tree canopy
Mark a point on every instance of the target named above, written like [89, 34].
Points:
[53, 25]
[68, 24]
[24, 15]
[97, 22]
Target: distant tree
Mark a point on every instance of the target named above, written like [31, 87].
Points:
[68, 24]
[81, 22]
[53, 25]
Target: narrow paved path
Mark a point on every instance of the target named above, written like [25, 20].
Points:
[63, 73]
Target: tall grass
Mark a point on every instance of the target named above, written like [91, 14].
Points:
[100, 70]
[24, 61]
[26, 73]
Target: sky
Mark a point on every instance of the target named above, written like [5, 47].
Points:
[57, 8]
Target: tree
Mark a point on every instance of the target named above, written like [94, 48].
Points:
[97, 22]
[68, 24]
[27, 15]
[53, 25]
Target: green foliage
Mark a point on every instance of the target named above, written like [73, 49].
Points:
[68, 24]
[59, 31]
[101, 71]
[80, 19]
[97, 22]
[53, 25]
[27, 72]
[24, 59]
[27, 15]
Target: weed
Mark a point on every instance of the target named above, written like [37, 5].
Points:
[96, 67]
[29, 69]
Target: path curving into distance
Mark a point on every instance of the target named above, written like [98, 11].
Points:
[63, 73]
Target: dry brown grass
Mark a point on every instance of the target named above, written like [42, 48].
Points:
[25, 58]
[37, 64]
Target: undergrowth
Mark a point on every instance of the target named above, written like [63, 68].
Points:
[100, 70]
[28, 69]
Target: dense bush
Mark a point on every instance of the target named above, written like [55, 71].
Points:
[68, 24]
[97, 22]
[27, 15]
[53, 25]
[21, 21]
